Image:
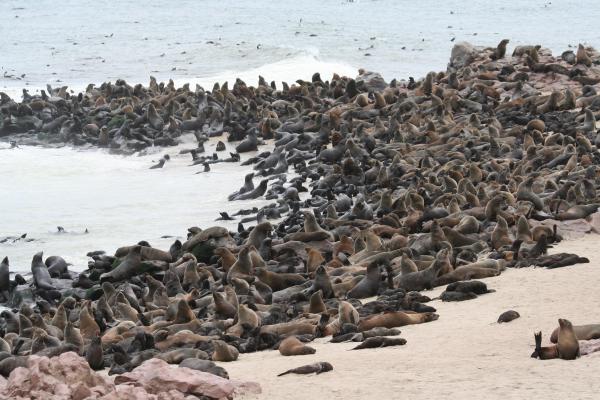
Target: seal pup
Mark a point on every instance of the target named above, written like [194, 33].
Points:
[317, 368]
[500, 50]
[508, 316]
[160, 163]
[380, 341]
[94, 354]
[543, 353]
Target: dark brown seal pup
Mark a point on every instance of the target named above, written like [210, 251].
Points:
[291, 346]
[317, 368]
[508, 316]
[94, 355]
[380, 341]
[500, 51]
[543, 353]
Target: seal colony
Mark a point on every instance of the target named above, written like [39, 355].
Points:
[412, 185]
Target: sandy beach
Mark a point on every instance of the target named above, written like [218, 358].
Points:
[463, 354]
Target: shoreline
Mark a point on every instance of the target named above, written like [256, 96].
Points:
[444, 182]
[465, 353]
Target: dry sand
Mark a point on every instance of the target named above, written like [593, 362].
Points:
[465, 353]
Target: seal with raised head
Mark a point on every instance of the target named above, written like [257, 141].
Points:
[41, 276]
[369, 285]
[224, 352]
[94, 354]
[128, 267]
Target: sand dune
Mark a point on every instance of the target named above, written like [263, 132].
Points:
[465, 353]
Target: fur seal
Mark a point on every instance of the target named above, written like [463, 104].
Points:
[369, 285]
[567, 344]
[259, 234]
[204, 366]
[291, 346]
[316, 304]
[87, 324]
[395, 319]
[128, 267]
[508, 316]
[243, 266]
[582, 332]
[224, 352]
[317, 368]
[4, 278]
[94, 355]
[41, 276]
[178, 355]
[56, 266]
[380, 341]
[73, 336]
[425, 279]
[543, 353]
[278, 281]
[322, 282]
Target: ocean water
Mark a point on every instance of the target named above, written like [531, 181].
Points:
[76, 42]
[120, 201]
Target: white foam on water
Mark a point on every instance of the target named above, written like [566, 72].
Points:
[118, 199]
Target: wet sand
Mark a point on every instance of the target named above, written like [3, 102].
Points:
[465, 354]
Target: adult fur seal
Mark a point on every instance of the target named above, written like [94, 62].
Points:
[394, 319]
[243, 266]
[369, 285]
[4, 278]
[567, 345]
[291, 346]
[582, 332]
[56, 266]
[423, 279]
[224, 352]
[41, 276]
[128, 267]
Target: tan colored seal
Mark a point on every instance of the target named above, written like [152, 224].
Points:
[291, 346]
